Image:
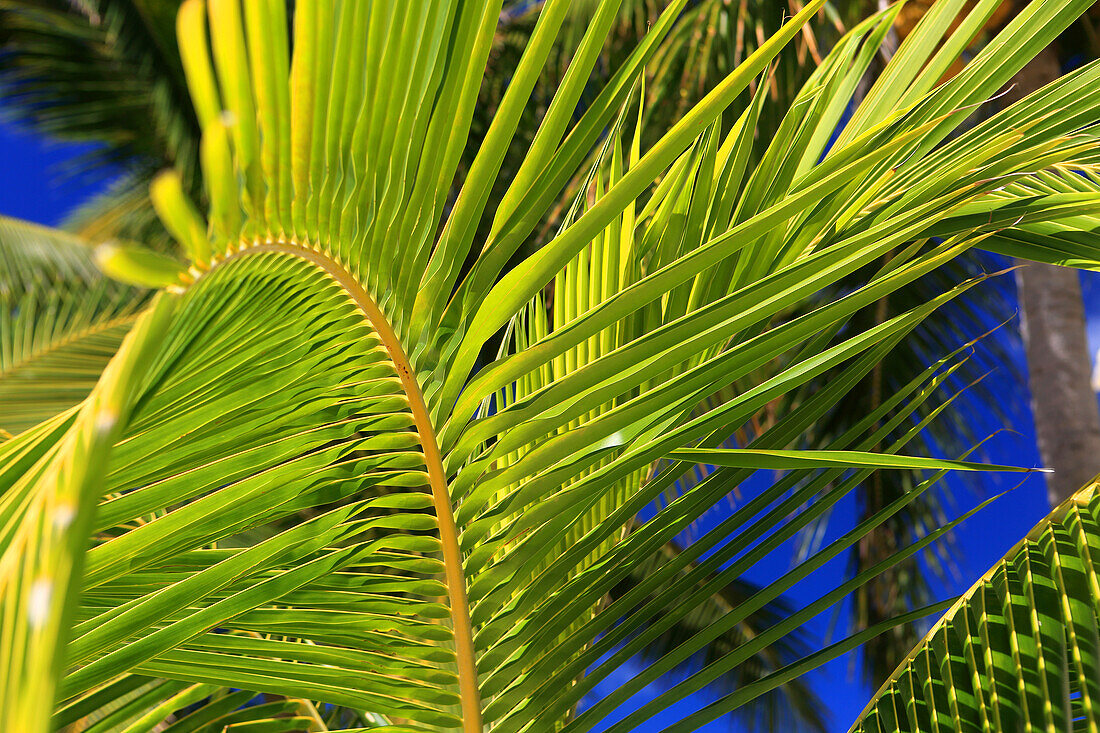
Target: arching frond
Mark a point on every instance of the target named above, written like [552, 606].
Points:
[35, 256]
[316, 488]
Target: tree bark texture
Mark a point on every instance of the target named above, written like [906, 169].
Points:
[1067, 421]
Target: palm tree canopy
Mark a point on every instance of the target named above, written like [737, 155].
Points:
[300, 478]
[120, 39]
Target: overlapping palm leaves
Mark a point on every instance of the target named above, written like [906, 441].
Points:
[116, 38]
[128, 80]
[61, 321]
[1019, 650]
[317, 354]
[706, 40]
[710, 37]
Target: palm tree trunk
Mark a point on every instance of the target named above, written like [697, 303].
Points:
[1067, 421]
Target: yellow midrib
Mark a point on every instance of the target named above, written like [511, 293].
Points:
[437, 477]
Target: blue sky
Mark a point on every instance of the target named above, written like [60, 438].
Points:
[34, 186]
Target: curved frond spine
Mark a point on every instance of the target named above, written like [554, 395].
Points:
[441, 496]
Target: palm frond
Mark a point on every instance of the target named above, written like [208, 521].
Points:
[52, 474]
[909, 585]
[309, 488]
[1019, 649]
[795, 705]
[136, 703]
[61, 321]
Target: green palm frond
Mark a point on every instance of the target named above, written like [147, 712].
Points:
[705, 40]
[795, 705]
[61, 321]
[298, 476]
[35, 256]
[708, 37]
[909, 585]
[135, 703]
[1019, 649]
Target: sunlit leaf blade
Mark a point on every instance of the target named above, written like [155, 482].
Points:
[786, 460]
[48, 514]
